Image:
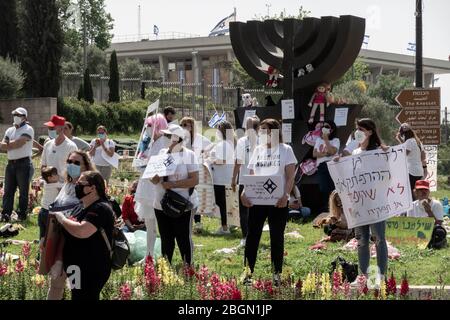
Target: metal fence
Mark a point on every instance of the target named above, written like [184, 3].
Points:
[199, 100]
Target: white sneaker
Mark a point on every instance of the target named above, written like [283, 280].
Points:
[221, 231]
[242, 243]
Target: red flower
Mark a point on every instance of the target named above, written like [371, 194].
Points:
[19, 266]
[152, 280]
[3, 269]
[404, 287]
[391, 285]
[125, 292]
[26, 250]
[188, 271]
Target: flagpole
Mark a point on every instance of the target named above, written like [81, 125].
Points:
[235, 15]
[419, 65]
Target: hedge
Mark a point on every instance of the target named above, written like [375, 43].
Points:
[123, 117]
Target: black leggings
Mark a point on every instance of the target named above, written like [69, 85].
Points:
[326, 185]
[171, 229]
[277, 223]
[243, 214]
[221, 202]
[92, 285]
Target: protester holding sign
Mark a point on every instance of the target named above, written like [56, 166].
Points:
[244, 150]
[145, 193]
[177, 225]
[368, 138]
[222, 158]
[272, 158]
[199, 144]
[414, 151]
[325, 148]
[101, 149]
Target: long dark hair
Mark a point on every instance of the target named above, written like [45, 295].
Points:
[374, 139]
[409, 133]
[273, 125]
[223, 127]
[95, 179]
[333, 133]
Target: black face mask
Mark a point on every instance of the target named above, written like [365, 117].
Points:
[79, 191]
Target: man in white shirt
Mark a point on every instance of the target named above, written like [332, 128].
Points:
[57, 150]
[424, 206]
[18, 143]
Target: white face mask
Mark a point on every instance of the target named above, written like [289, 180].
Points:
[325, 131]
[174, 138]
[17, 120]
[149, 131]
[360, 136]
[218, 136]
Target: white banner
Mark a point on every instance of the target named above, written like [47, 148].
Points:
[162, 165]
[432, 159]
[263, 190]
[373, 186]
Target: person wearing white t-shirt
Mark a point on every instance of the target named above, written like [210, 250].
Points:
[270, 158]
[324, 150]
[182, 181]
[222, 158]
[351, 145]
[100, 146]
[414, 150]
[18, 144]
[244, 149]
[424, 206]
[199, 144]
[144, 197]
[58, 148]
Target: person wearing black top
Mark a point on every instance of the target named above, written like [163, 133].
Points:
[85, 251]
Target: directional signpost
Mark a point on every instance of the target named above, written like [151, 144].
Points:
[421, 109]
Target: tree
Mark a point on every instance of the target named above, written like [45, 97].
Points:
[11, 78]
[72, 60]
[113, 82]
[87, 87]
[9, 34]
[41, 44]
[389, 86]
[358, 71]
[80, 92]
[302, 13]
[131, 69]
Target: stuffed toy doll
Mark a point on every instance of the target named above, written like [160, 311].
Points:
[246, 100]
[319, 98]
[273, 77]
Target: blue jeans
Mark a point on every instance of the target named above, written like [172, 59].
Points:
[303, 213]
[362, 234]
[17, 174]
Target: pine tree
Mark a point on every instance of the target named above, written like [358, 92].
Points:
[41, 45]
[9, 31]
[143, 90]
[80, 95]
[113, 82]
[87, 86]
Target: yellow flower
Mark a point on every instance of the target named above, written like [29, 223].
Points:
[383, 290]
[325, 287]
[39, 280]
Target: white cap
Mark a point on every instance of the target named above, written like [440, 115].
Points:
[21, 111]
[174, 129]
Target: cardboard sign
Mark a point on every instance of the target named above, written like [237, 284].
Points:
[232, 203]
[113, 161]
[432, 159]
[286, 128]
[410, 230]
[247, 114]
[263, 190]
[373, 186]
[287, 109]
[205, 190]
[340, 117]
[162, 165]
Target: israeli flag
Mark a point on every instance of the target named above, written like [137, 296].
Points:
[155, 30]
[411, 46]
[214, 120]
[366, 39]
[222, 28]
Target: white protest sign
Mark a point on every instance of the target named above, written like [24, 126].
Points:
[432, 159]
[263, 190]
[247, 114]
[114, 160]
[162, 165]
[286, 129]
[139, 160]
[373, 186]
[287, 109]
[340, 117]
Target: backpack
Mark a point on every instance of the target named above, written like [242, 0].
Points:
[311, 137]
[438, 238]
[308, 167]
[115, 206]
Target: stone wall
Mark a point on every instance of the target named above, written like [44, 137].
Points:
[39, 112]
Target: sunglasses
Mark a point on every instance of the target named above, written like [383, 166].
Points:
[18, 115]
[83, 184]
[326, 126]
[78, 163]
[185, 125]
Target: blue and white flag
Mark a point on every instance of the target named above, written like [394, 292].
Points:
[222, 28]
[155, 30]
[411, 46]
[366, 39]
[214, 120]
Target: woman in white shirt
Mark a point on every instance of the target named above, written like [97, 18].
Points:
[271, 158]
[145, 191]
[99, 146]
[199, 144]
[324, 150]
[414, 149]
[222, 157]
[182, 182]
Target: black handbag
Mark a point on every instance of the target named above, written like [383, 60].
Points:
[119, 251]
[175, 205]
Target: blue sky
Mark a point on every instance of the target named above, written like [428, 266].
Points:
[390, 24]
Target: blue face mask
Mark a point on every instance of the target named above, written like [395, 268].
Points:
[52, 134]
[101, 136]
[73, 170]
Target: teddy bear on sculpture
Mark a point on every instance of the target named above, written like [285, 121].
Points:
[320, 98]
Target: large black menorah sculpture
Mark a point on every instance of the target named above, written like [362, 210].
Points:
[306, 53]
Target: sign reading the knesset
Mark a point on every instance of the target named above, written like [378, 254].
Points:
[421, 109]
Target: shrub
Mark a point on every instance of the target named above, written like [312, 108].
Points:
[11, 78]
